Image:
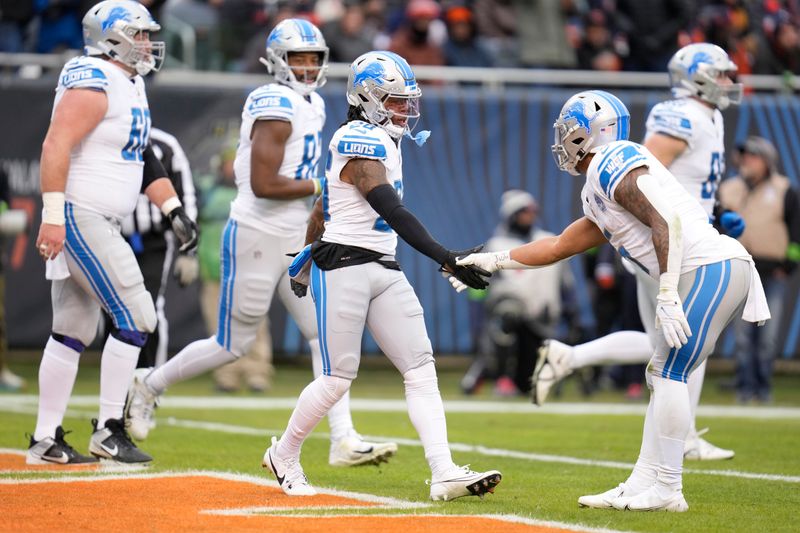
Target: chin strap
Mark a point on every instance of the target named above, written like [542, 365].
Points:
[419, 138]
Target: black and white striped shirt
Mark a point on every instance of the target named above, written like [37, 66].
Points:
[147, 218]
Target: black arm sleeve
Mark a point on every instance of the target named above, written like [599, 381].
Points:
[385, 201]
[153, 169]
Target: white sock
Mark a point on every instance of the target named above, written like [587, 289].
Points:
[57, 373]
[313, 404]
[672, 414]
[645, 470]
[339, 418]
[426, 411]
[695, 384]
[620, 348]
[116, 372]
[198, 357]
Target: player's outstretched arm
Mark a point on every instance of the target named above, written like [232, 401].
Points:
[369, 177]
[578, 237]
[268, 146]
[78, 113]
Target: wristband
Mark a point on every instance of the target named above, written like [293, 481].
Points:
[504, 262]
[668, 282]
[317, 186]
[170, 204]
[53, 208]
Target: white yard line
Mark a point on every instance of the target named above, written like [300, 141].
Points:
[455, 446]
[455, 406]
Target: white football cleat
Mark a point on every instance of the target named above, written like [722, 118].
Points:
[697, 448]
[288, 472]
[354, 450]
[140, 406]
[651, 500]
[604, 500]
[553, 364]
[461, 481]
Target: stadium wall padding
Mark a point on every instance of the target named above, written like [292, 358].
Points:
[483, 142]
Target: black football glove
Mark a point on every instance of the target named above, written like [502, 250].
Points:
[470, 275]
[184, 228]
[299, 289]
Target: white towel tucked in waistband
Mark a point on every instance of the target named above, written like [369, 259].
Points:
[756, 308]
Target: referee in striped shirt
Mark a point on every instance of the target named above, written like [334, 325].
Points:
[154, 244]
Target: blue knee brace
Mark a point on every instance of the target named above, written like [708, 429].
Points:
[136, 338]
[69, 342]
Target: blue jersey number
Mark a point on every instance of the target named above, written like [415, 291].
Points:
[709, 188]
[139, 136]
[380, 224]
[308, 166]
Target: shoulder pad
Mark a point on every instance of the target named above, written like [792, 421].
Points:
[83, 73]
[620, 158]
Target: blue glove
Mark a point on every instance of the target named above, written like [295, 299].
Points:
[299, 271]
[300, 260]
[732, 223]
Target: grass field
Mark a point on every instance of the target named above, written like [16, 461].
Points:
[548, 458]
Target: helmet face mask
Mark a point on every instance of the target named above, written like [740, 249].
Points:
[704, 70]
[383, 86]
[296, 36]
[588, 121]
[120, 30]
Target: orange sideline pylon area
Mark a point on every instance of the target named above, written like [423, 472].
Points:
[189, 503]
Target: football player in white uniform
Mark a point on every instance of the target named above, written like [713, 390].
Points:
[276, 174]
[686, 135]
[95, 160]
[356, 282]
[704, 279]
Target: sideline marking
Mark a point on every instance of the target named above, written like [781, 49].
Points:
[455, 446]
[456, 406]
[177, 501]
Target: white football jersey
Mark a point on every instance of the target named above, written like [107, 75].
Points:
[702, 244]
[105, 170]
[349, 219]
[300, 157]
[701, 166]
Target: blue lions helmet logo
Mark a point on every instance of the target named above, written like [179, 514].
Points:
[697, 59]
[374, 71]
[118, 13]
[578, 111]
[275, 35]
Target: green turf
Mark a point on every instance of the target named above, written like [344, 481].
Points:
[542, 490]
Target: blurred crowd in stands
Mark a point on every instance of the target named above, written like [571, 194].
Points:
[762, 36]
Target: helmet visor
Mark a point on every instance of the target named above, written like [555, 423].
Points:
[402, 110]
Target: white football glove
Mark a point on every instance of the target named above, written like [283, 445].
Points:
[671, 320]
[489, 261]
[186, 269]
[457, 284]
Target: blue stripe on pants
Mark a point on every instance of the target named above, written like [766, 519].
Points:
[318, 292]
[688, 305]
[227, 280]
[94, 272]
[699, 311]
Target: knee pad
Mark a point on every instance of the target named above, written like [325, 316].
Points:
[134, 338]
[69, 342]
[145, 317]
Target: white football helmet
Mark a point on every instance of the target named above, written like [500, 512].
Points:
[295, 35]
[110, 28]
[587, 122]
[695, 69]
[375, 77]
